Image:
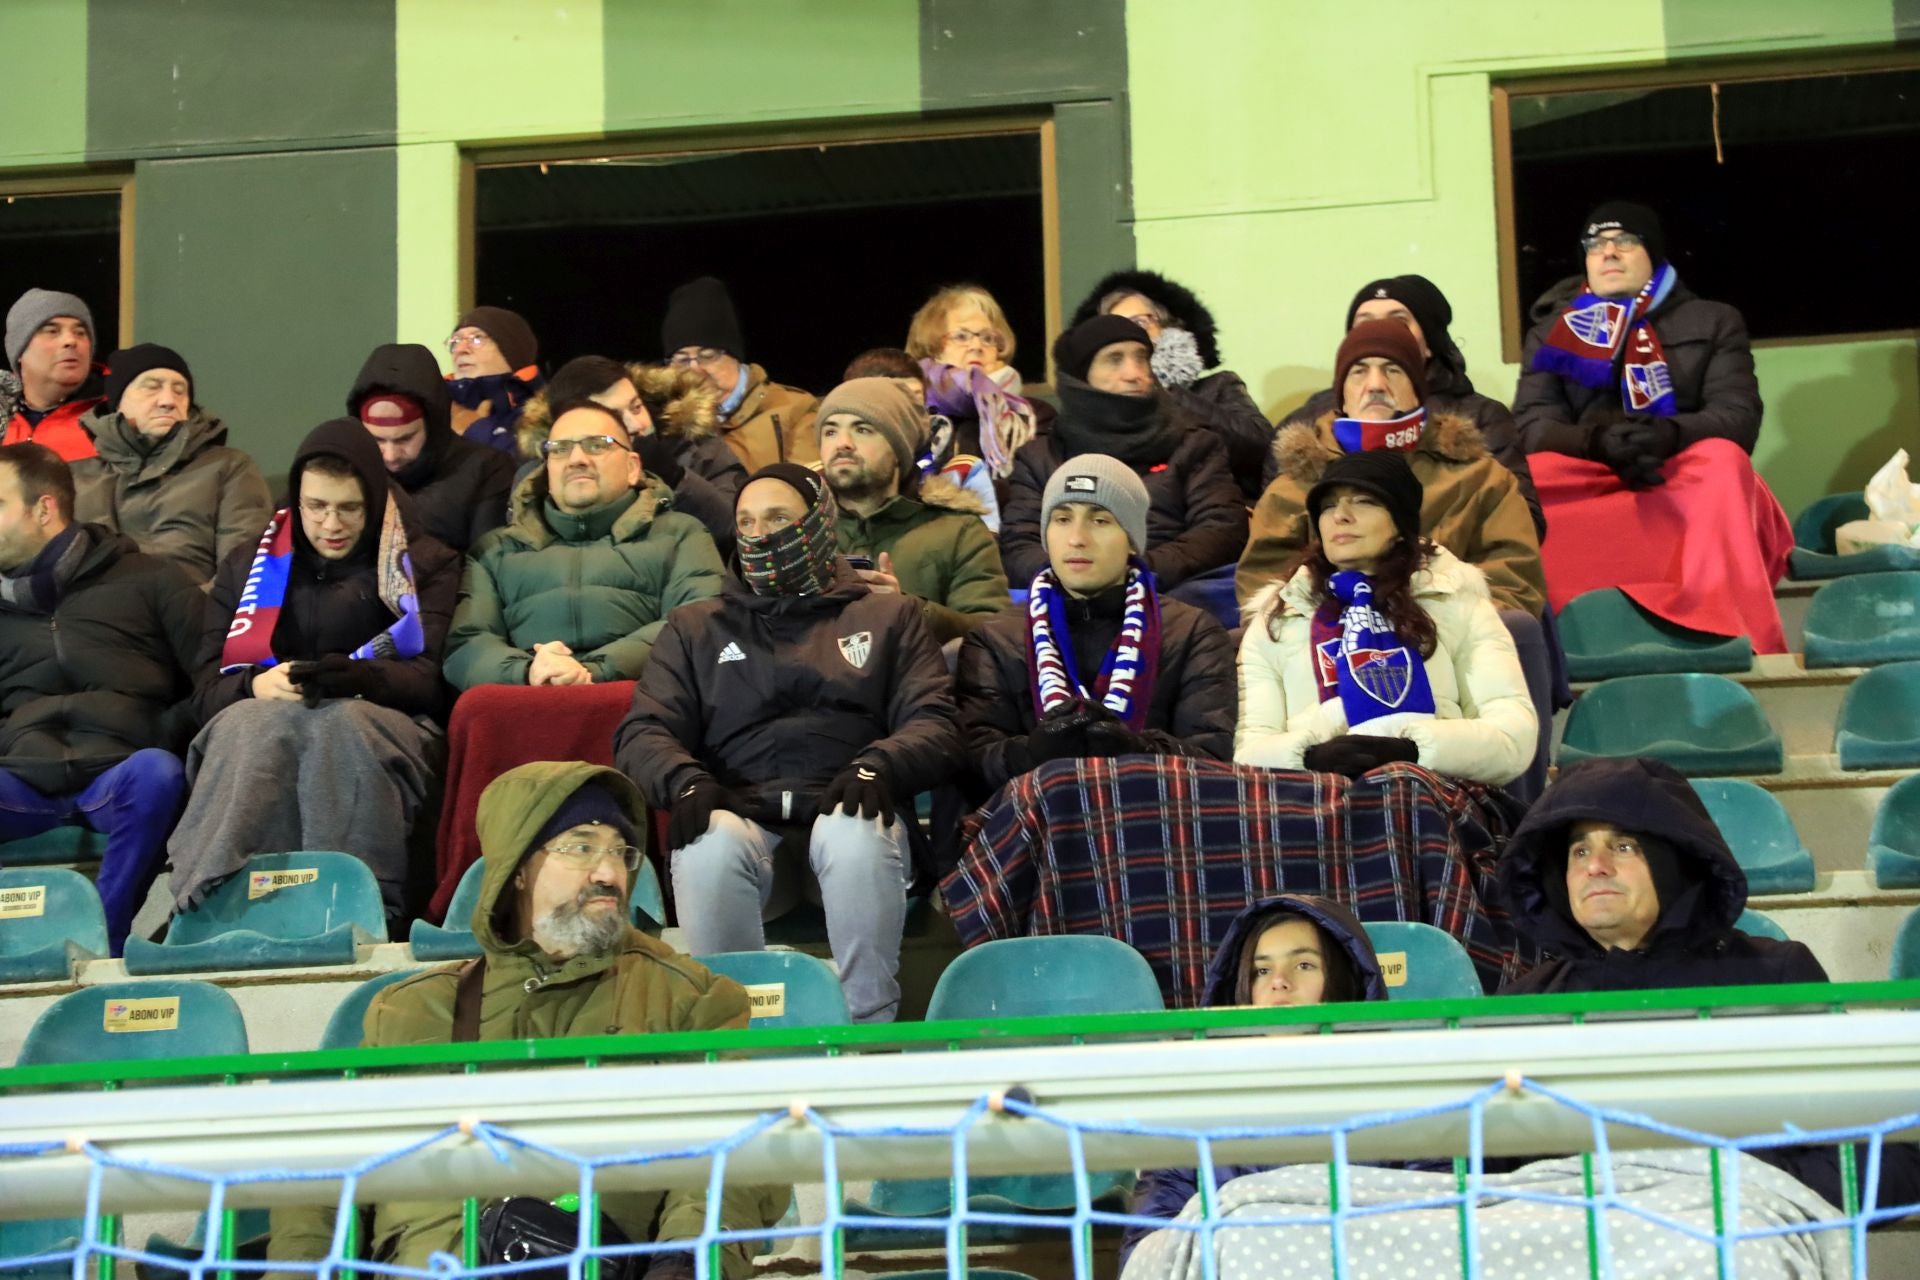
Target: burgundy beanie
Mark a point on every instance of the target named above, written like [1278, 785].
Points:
[1388, 339]
[509, 332]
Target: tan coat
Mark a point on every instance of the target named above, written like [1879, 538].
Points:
[773, 424]
[1473, 507]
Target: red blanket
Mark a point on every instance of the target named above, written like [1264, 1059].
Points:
[1702, 550]
[498, 726]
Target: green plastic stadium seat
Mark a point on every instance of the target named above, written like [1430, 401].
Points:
[1605, 634]
[50, 924]
[1864, 620]
[455, 940]
[806, 991]
[1753, 924]
[284, 910]
[58, 845]
[1813, 555]
[1702, 725]
[344, 1027]
[1879, 724]
[1421, 962]
[1893, 850]
[1906, 948]
[1013, 978]
[190, 1019]
[1761, 834]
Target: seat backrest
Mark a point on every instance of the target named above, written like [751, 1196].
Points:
[1866, 606]
[1813, 527]
[1620, 716]
[1906, 948]
[288, 895]
[1018, 977]
[46, 906]
[787, 988]
[466, 896]
[1420, 962]
[1753, 924]
[1753, 820]
[1883, 703]
[346, 1025]
[1896, 823]
[648, 904]
[169, 1018]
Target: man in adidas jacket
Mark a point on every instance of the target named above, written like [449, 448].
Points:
[798, 702]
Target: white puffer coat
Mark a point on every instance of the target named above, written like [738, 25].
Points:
[1484, 728]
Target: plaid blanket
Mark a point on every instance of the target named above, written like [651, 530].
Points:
[1162, 853]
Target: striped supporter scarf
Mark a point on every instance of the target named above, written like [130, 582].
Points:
[1595, 334]
[1125, 682]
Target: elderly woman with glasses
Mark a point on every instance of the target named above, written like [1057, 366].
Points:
[963, 342]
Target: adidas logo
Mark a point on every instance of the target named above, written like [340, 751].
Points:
[732, 653]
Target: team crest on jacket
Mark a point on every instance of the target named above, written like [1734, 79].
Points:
[856, 648]
[1386, 674]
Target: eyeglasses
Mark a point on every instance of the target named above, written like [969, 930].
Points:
[584, 857]
[472, 342]
[1620, 240]
[687, 359]
[594, 445]
[967, 337]
[318, 510]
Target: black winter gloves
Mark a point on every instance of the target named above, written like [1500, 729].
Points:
[693, 810]
[1062, 734]
[1111, 737]
[333, 676]
[863, 790]
[660, 456]
[1635, 448]
[1353, 754]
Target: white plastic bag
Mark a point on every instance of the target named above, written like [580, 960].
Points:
[1893, 504]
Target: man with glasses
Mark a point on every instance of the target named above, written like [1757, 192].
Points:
[319, 687]
[575, 589]
[762, 421]
[1639, 410]
[559, 957]
[495, 370]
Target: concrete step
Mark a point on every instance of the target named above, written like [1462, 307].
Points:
[1792, 597]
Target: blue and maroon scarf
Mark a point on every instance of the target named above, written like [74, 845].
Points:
[1125, 683]
[1358, 657]
[1594, 335]
[1401, 434]
[250, 637]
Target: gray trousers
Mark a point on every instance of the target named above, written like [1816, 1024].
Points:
[276, 777]
[730, 880]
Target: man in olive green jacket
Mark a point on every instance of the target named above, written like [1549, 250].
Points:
[561, 958]
[575, 588]
[924, 535]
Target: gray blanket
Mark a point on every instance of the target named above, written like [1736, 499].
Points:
[1519, 1240]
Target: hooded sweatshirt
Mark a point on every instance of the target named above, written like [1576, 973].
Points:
[643, 986]
[1162, 1193]
[460, 487]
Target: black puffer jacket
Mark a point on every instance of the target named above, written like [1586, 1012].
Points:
[818, 681]
[1693, 945]
[1709, 358]
[334, 606]
[1196, 518]
[458, 487]
[1191, 712]
[106, 674]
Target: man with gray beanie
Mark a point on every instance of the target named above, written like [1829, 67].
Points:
[921, 534]
[1098, 663]
[53, 383]
[1110, 403]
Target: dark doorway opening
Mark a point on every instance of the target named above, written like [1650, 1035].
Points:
[69, 243]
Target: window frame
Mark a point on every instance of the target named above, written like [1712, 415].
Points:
[90, 182]
[799, 136]
[1696, 73]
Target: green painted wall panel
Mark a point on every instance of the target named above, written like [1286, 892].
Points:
[684, 63]
[1696, 27]
[213, 75]
[497, 69]
[976, 53]
[1096, 227]
[48, 124]
[274, 276]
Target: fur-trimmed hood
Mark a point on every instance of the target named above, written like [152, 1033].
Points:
[10, 395]
[1179, 301]
[936, 490]
[1303, 450]
[683, 403]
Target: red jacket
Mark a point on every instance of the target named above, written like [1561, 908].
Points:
[61, 430]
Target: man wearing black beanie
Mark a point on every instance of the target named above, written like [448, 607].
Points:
[1639, 409]
[761, 420]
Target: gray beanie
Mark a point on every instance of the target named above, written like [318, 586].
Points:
[34, 308]
[1100, 481]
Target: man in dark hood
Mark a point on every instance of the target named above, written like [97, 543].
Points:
[459, 487]
[1185, 345]
[799, 707]
[1619, 873]
[1111, 403]
[320, 677]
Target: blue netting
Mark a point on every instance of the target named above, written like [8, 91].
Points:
[1600, 1203]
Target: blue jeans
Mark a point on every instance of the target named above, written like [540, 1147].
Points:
[134, 805]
